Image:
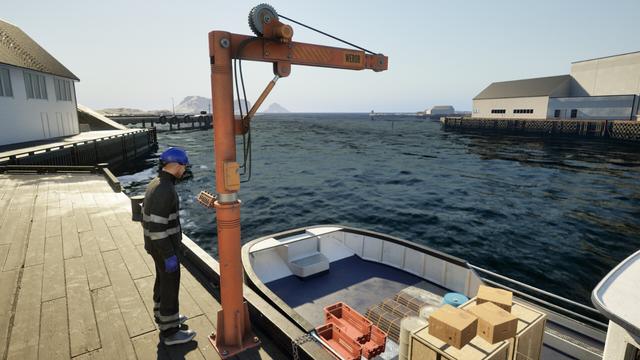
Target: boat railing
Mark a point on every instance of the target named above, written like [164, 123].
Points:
[559, 304]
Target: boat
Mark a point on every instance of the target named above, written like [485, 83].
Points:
[302, 271]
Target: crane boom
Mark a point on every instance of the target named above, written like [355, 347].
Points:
[245, 47]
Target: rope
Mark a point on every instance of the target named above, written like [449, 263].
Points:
[246, 139]
[329, 35]
[295, 343]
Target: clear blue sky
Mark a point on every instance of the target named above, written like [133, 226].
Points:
[140, 54]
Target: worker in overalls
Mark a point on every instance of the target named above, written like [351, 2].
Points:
[162, 240]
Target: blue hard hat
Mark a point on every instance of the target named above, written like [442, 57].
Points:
[174, 154]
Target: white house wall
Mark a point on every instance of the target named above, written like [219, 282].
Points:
[482, 107]
[593, 107]
[23, 119]
[615, 75]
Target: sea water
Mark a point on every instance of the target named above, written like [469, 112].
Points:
[556, 214]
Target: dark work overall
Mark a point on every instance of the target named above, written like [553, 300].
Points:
[162, 236]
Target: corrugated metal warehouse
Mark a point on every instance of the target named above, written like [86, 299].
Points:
[605, 88]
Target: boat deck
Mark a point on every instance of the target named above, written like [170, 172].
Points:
[76, 281]
[362, 284]
[357, 282]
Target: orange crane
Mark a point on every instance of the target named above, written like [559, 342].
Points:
[272, 43]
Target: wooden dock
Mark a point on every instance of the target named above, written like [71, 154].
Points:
[616, 130]
[77, 283]
[201, 121]
[114, 147]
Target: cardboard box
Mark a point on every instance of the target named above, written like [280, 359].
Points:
[426, 347]
[494, 323]
[527, 343]
[454, 326]
[502, 298]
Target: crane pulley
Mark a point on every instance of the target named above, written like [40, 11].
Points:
[272, 43]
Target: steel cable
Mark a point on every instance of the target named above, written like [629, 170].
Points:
[329, 35]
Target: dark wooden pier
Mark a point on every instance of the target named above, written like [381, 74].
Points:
[114, 147]
[176, 122]
[616, 130]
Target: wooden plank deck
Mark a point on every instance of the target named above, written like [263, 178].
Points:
[76, 281]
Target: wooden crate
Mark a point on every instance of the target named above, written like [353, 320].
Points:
[527, 344]
[426, 347]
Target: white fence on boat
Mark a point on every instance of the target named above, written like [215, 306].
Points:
[336, 243]
[420, 263]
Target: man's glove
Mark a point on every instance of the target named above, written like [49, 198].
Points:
[171, 264]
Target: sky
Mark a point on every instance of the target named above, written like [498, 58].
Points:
[143, 54]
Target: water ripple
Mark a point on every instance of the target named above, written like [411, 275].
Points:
[556, 214]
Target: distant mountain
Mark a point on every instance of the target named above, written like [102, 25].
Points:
[130, 111]
[188, 105]
[195, 104]
[276, 108]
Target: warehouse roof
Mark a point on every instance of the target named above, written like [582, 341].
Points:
[18, 49]
[606, 57]
[544, 86]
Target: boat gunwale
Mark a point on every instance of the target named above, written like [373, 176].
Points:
[600, 306]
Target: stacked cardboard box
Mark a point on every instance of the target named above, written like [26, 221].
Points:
[529, 333]
[505, 329]
[494, 323]
[453, 326]
[425, 346]
[499, 297]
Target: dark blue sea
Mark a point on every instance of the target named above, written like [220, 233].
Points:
[556, 214]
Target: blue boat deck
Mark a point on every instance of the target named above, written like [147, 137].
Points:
[354, 281]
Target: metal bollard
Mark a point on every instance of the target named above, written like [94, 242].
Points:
[136, 208]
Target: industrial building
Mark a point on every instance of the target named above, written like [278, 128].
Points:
[605, 88]
[440, 110]
[37, 93]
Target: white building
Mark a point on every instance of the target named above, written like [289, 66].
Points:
[605, 88]
[37, 93]
[440, 110]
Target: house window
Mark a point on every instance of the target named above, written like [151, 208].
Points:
[556, 114]
[63, 89]
[36, 86]
[5, 83]
[498, 111]
[523, 111]
[574, 113]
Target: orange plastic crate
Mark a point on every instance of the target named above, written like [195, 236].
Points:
[376, 345]
[351, 322]
[342, 344]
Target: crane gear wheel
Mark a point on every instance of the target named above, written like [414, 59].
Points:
[260, 15]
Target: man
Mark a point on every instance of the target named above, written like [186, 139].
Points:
[162, 237]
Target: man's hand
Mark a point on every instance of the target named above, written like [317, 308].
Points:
[171, 264]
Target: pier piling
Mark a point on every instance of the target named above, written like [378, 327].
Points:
[614, 130]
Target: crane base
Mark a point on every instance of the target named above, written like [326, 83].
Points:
[248, 341]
